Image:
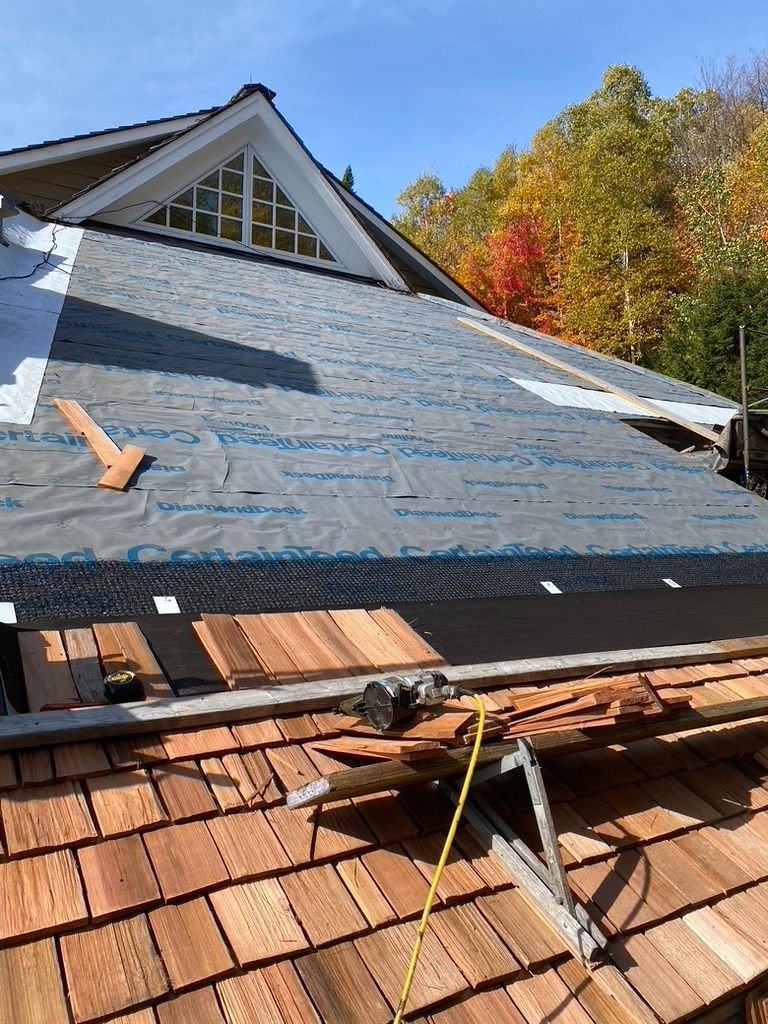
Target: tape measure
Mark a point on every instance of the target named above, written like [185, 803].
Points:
[123, 687]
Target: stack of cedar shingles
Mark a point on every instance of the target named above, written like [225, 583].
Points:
[524, 711]
[161, 879]
[68, 666]
[289, 647]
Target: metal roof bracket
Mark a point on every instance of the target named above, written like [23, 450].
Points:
[545, 884]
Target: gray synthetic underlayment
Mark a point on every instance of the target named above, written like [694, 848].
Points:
[293, 414]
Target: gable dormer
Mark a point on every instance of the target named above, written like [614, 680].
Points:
[242, 180]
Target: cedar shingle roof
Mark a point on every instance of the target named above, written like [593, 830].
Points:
[161, 878]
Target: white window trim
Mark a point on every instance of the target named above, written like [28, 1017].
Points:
[249, 154]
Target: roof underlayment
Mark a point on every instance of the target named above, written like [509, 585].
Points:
[296, 415]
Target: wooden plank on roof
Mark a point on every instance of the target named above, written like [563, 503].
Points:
[29, 730]
[644, 405]
[273, 657]
[190, 943]
[83, 655]
[30, 985]
[228, 649]
[40, 895]
[122, 469]
[102, 445]
[123, 646]
[117, 877]
[341, 986]
[111, 968]
[120, 464]
[47, 677]
[257, 921]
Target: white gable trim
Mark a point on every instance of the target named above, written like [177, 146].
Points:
[103, 142]
[431, 269]
[132, 193]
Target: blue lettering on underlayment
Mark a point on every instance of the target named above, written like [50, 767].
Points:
[7, 504]
[458, 513]
[154, 552]
[230, 510]
[382, 478]
[292, 444]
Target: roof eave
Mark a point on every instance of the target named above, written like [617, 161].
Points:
[92, 145]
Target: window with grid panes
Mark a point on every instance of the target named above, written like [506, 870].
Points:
[240, 201]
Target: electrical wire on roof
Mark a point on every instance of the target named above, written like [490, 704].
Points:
[416, 948]
[42, 263]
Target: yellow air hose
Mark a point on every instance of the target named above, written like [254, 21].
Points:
[416, 949]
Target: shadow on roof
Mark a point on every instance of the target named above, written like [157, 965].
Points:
[115, 339]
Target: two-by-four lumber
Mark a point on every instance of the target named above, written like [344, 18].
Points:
[643, 404]
[375, 778]
[32, 730]
[120, 464]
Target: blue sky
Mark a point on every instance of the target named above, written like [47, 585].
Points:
[394, 87]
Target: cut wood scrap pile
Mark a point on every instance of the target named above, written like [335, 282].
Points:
[510, 714]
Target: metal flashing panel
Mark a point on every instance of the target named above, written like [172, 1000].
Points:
[35, 270]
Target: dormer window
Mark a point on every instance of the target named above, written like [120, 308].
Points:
[240, 201]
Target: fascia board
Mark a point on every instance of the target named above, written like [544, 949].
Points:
[327, 194]
[57, 152]
[431, 268]
[111, 191]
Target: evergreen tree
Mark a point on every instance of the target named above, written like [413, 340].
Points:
[348, 178]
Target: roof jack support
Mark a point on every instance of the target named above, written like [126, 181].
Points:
[545, 884]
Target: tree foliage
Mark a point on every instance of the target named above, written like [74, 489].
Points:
[634, 224]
